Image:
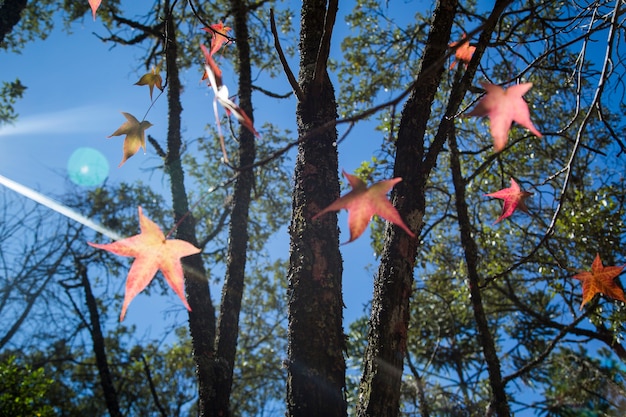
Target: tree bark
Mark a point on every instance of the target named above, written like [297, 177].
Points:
[316, 365]
[99, 349]
[499, 403]
[10, 15]
[379, 391]
[232, 291]
[202, 314]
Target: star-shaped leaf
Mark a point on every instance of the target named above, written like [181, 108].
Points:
[94, 4]
[463, 53]
[601, 280]
[220, 35]
[135, 135]
[514, 198]
[362, 203]
[152, 252]
[503, 108]
[151, 79]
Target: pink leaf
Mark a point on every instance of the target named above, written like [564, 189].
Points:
[152, 252]
[94, 4]
[362, 203]
[514, 198]
[503, 108]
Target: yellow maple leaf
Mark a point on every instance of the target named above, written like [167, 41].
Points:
[135, 135]
[151, 79]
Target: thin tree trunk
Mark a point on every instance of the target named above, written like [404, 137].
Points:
[232, 292]
[99, 349]
[316, 366]
[499, 403]
[202, 314]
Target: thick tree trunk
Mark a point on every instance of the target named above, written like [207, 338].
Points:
[202, 314]
[99, 349]
[316, 366]
[379, 391]
[232, 292]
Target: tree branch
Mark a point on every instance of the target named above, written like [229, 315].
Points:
[324, 47]
[271, 94]
[290, 77]
[155, 396]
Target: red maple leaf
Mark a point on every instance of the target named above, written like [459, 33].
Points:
[220, 35]
[362, 203]
[513, 199]
[463, 53]
[94, 4]
[503, 108]
[601, 280]
[152, 252]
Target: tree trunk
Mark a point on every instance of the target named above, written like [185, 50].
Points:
[232, 292]
[202, 314]
[499, 402]
[379, 391]
[316, 366]
[99, 349]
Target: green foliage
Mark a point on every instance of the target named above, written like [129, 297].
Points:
[9, 94]
[23, 389]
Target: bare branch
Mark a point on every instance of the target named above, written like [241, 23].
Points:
[324, 47]
[292, 80]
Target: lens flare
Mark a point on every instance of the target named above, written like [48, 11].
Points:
[87, 167]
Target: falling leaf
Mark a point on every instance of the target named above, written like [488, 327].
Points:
[601, 280]
[151, 79]
[152, 252]
[503, 108]
[463, 53]
[362, 203]
[135, 135]
[94, 4]
[220, 35]
[514, 198]
[214, 74]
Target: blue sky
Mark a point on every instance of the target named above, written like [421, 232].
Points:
[77, 88]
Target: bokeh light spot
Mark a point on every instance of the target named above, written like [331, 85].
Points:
[87, 167]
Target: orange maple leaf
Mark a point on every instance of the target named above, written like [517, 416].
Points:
[220, 35]
[135, 135]
[152, 252]
[363, 203]
[463, 53]
[214, 74]
[94, 4]
[503, 108]
[151, 79]
[514, 198]
[601, 280]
